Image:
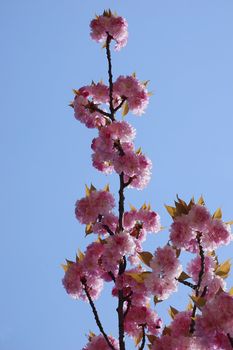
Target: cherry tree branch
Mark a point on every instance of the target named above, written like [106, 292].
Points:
[188, 284]
[198, 286]
[143, 338]
[230, 339]
[120, 104]
[97, 319]
[110, 77]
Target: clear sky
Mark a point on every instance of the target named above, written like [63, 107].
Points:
[185, 49]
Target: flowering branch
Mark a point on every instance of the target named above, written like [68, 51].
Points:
[230, 339]
[186, 283]
[143, 337]
[201, 273]
[99, 324]
[110, 77]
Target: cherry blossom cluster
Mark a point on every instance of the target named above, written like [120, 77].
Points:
[112, 25]
[198, 220]
[116, 255]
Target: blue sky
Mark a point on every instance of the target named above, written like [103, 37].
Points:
[185, 49]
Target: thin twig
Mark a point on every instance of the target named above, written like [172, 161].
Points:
[143, 337]
[120, 104]
[99, 324]
[110, 77]
[106, 227]
[186, 283]
[230, 339]
[198, 286]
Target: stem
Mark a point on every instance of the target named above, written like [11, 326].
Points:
[186, 283]
[143, 337]
[110, 78]
[198, 286]
[99, 324]
[121, 201]
[230, 339]
[120, 104]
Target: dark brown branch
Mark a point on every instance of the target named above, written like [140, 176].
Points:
[108, 230]
[120, 104]
[121, 201]
[110, 77]
[198, 286]
[143, 337]
[230, 339]
[121, 319]
[99, 324]
[93, 108]
[186, 283]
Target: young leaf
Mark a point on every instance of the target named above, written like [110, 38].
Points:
[171, 210]
[223, 269]
[145, 257]
[217, 214]
[183, 276]
[173, 312]
[125, 109]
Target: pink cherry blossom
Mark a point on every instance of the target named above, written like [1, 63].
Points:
[217, 316]
[148, 219]
[165, 270]
[109, 221]
[97, 203]
[116, 247]
[194, 267]
[142, 315]
[181, 324]
[110, 24]
[182, 235]
[99, 343]
[84, 110]
[135, 92]
[218, 234]
[74, 274]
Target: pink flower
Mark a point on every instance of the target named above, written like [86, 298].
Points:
[84, 110]
[117, 246]
[165, 270]
[99, 343]
[181, 324]
[97, 203]
[142, 315]
[218, 234]
[74, 274]
[110, 24]
[109, 220]
[217, 316]
[194, 268]
[133, 91]
[148, 219]
[182, 235]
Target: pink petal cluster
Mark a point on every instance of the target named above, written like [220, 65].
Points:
[194, 267]
[88, 268]
[217, 316]
[181, 324]
[73, 285]
[148, 219]
[88, 209]
[142, 315]
[184, 229]
[117, 246]
[168, 342]
[99, 343]
[114, 150]
[135, 92]
[109, 220]
[84, 108]
[137, 291]
[110, 24]
[165, 269]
